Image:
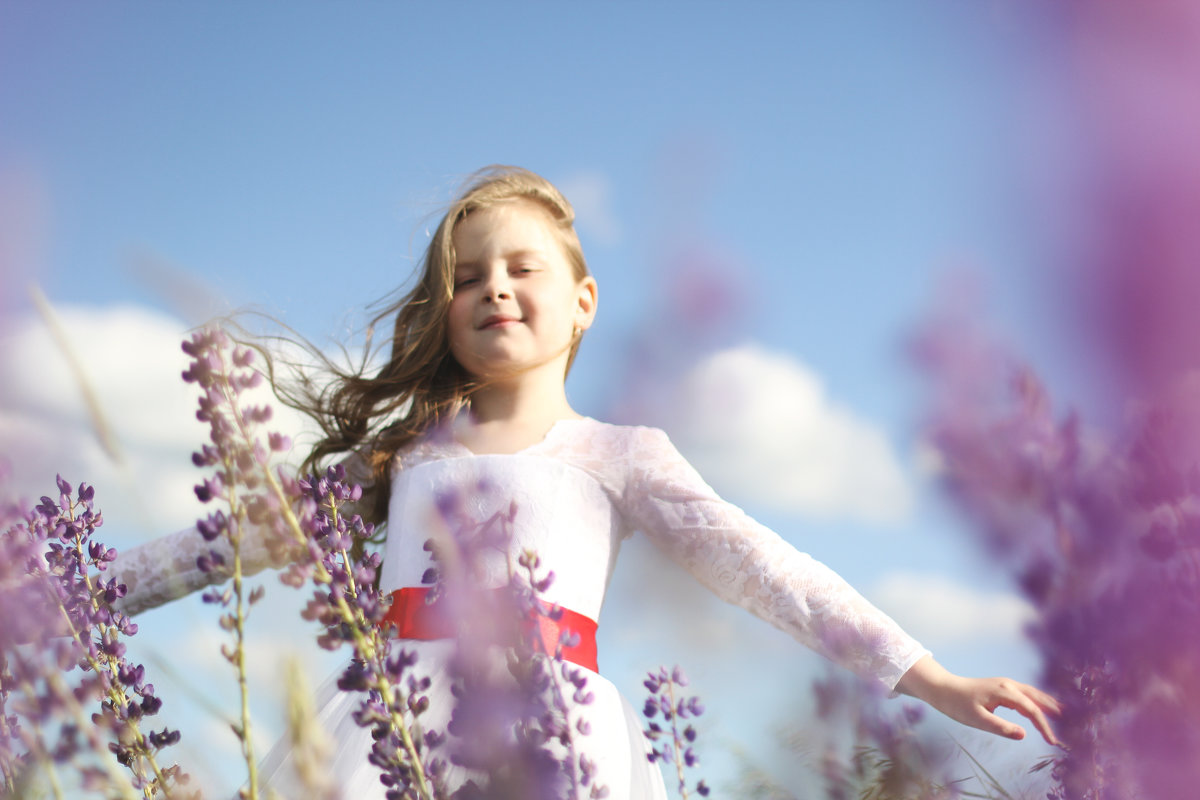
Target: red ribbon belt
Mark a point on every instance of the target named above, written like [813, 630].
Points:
[415, 618]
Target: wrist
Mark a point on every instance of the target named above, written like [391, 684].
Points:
[925, 680]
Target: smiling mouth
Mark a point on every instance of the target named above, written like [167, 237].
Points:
[498, 321]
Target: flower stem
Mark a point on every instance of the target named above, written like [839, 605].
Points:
[678, 743]
[243, 685]
[237, 514]
[368, 645]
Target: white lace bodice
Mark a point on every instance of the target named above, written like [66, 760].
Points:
[574, 496]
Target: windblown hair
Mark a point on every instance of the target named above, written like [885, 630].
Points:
[373, 416]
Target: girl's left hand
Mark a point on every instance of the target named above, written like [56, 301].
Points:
[973, 701]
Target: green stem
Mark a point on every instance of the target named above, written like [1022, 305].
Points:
[240, 653]
[675, 733]
[237, 514]
[52, 777]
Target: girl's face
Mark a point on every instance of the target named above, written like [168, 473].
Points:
[516, 303]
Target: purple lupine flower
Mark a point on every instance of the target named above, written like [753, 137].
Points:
[66, 610]
[1097, 530]
[1095, 516]
[518, 734]
[242, 483]
[671, 744]
[351, 610]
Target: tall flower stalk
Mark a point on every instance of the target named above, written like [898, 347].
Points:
[350, 608]
[674, 743]
[223, 374]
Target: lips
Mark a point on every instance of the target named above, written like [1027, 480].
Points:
[498, 321]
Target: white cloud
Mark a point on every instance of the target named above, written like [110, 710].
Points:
[759, 426]
[590, 194]
[938, 611]
[132, 361]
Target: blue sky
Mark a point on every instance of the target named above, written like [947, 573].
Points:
[826, 163]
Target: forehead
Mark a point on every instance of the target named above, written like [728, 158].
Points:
[513, 225]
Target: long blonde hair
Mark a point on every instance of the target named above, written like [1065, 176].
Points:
[421, 384]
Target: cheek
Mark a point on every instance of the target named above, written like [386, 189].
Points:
[458, 320]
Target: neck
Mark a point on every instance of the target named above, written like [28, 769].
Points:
[536, 397]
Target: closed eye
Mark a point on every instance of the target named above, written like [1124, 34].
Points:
[524, 266]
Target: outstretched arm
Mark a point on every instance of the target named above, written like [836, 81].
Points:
[749, 565]
[166, 569]
[973, 701]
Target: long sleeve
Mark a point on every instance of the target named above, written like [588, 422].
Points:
[164, 569]
[749, 565]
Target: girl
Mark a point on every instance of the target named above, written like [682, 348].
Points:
[473, 395]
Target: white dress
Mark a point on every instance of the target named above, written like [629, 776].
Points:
[577, 494]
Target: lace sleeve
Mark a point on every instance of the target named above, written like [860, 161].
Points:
[749, 565]
[164, 569]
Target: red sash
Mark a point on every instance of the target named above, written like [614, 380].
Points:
[416, 619]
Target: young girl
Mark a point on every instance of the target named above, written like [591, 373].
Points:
[473, 394]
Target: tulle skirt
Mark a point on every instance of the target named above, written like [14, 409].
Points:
[615, 743]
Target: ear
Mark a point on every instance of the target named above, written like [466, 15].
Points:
[585, 310]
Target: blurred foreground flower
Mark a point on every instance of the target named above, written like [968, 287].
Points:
[519, 729]
[863, 748]
[1102, 534]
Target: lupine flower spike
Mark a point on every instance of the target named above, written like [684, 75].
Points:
[520, 736]
[351, 610]
[223, 373]
[670, 743]
[55, 602]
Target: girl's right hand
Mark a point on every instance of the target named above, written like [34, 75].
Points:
[973, 701]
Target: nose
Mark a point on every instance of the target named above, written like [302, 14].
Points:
[497, 287]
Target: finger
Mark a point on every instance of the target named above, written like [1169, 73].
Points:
[1047, 701]
[1021, 699]
[992, 723]
[1044, 703]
